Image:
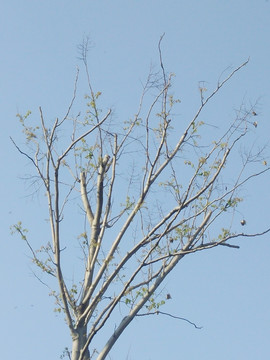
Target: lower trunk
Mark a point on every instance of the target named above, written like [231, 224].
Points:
[78, 342]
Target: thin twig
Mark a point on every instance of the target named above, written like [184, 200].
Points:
[157, 312]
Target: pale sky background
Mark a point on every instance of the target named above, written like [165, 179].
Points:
[224, 290]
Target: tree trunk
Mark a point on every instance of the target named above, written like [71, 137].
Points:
[78, 342]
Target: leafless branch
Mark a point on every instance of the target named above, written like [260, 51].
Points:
[157, 312]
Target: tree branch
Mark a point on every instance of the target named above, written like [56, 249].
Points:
[157, 312]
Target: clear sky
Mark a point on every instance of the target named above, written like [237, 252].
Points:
[224, 290]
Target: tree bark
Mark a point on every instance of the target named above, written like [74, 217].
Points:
[78, 342]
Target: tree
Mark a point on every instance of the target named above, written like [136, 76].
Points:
[141, 197]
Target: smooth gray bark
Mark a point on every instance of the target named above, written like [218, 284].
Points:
[78, 342]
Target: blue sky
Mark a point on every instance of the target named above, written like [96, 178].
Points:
[226, 291]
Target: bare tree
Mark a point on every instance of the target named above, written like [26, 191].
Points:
[140, 195]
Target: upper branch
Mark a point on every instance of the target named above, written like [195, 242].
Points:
[81, 137]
